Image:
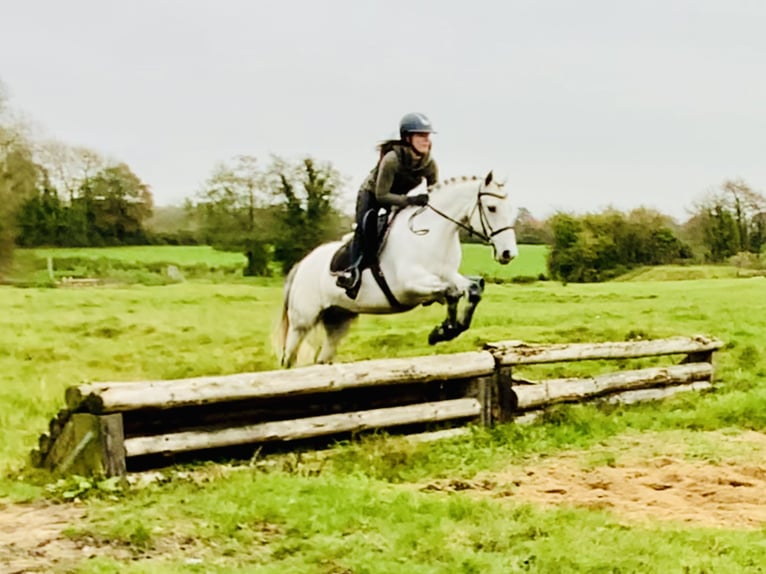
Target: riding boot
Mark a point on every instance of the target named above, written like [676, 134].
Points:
[350, 278]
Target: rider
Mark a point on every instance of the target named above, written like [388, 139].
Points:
[402, 166]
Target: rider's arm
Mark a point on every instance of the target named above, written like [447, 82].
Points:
[387, 169]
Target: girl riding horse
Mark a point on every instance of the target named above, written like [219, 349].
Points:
[402, 166]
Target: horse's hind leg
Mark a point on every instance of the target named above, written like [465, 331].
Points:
[293, 341]
[336, 323]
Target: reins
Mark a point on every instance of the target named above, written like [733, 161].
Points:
[486, 233]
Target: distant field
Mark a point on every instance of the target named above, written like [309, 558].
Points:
[179, 255]
[479, 260]
[142, 264]
[686, 273]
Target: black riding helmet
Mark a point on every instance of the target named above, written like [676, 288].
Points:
[415, 123]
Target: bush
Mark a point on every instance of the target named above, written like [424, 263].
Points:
[746, 260]
[599, 247]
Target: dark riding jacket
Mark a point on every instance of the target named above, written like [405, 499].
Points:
[398, 172]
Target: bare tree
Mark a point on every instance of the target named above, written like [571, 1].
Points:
[745, 204]
[68, 167]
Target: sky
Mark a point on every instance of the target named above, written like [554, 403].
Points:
[580, 105]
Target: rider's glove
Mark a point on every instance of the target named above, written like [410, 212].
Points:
[420, 199]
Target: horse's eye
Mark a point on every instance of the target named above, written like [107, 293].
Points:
[492, 209]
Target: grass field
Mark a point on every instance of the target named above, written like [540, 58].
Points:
[186, 255]
[364, 507]
[477, 260]
[531, 262]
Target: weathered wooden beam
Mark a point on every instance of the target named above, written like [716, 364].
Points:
[520, 353]
[119, 397]
[88, 445]
[642, 395]
[628, 398]
[303, 428]
[567, 390]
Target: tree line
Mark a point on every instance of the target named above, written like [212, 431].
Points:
[55, 194]
[726, 224]
[273, 214]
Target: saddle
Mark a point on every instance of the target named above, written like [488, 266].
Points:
[374, 232]
[375, 228]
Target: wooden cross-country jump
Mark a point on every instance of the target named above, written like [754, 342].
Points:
[107, 427]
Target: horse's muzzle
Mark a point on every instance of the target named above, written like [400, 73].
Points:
[505, 257]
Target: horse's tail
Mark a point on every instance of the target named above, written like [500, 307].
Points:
[279, 334]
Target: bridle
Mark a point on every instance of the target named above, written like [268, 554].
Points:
[486, 234]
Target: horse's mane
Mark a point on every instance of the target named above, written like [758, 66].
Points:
[452, 180]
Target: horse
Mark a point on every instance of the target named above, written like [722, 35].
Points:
[417, 264]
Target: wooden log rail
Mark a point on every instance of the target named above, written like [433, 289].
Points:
[554, 391]
[304, 428]
[508, 353]
[108, 424]
[99, 398]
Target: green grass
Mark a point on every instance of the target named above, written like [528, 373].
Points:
[145, 265]
[299, 524]
[359, 509]
[478, 260]
[682, 273]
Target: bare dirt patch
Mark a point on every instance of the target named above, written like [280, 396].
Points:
[704, 479]
[32, 539]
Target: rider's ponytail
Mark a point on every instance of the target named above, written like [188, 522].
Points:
[387, 146]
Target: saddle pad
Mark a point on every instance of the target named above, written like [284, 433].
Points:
[342, 258]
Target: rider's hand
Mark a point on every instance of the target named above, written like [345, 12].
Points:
[420, 199]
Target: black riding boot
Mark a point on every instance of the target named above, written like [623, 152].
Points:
[350, 278]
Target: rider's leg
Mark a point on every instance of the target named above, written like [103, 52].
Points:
[349, 279]
[350, 276]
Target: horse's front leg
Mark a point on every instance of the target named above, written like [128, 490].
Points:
[452, 327]
[448, 291]
[475, 291]
[429, 288]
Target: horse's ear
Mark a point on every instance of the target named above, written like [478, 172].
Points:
[488, 179]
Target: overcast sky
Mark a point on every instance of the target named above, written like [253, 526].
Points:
[582, 104]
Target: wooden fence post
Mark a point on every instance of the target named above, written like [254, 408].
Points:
[89, 445]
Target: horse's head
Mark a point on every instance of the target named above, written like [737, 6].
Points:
[495, 216]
